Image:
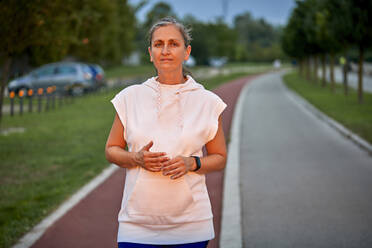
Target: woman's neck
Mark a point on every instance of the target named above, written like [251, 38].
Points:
[172, 78]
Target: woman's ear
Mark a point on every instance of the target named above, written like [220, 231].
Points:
[187, 52]
[149, 49]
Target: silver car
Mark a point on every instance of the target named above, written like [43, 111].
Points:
[68, 77]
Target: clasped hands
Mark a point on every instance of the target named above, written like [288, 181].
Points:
[158, 161]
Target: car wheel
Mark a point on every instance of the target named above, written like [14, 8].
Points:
[76, 90]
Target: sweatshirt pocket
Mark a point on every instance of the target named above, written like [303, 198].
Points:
[159, 200]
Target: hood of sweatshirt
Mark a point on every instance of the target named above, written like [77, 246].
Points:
[189, 85]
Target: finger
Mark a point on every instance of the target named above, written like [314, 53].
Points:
[155, 154]
[156, 159]
[153, 165]
[178, 175]
[168, 168]
[148, 146]
[171, 161]
[172, 169]
[153, 169]
[154, 162]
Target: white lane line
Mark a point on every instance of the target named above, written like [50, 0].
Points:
[32, 236]
[231, 226]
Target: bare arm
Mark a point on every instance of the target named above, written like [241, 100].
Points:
[116, 153]
[216, 150]
[115, 146]
[214, 161]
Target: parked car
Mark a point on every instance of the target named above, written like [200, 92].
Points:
[68, 77]
[98, 75]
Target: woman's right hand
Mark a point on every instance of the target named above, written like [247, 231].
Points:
[151, 161]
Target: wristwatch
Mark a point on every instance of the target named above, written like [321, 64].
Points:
[198, 163]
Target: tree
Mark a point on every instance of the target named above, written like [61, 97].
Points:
[26, 24]
[361, 21]
[105, 31]
[48, 31]
[160, 10]
[337, 28]
[294, 42]
[257, 40]
[213, 39]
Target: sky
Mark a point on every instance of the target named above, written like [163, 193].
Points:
[274, 11]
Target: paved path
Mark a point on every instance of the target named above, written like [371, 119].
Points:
[302, 183]
[93, 222]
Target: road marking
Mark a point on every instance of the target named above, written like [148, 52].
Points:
[32, 236]
[231, 226]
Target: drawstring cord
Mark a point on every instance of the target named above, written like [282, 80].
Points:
[180, 116]
[158, 98]
[178, 96]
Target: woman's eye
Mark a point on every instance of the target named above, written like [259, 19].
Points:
[157, 45]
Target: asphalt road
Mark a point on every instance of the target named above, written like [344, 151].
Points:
[302, 183]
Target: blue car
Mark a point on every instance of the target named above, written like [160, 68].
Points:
[68, 77]
[98, 75]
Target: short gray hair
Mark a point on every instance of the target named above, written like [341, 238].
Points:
[185, 32]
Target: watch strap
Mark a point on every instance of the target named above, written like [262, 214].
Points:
[198, 163]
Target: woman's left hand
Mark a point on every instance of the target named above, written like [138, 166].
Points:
[177, 167]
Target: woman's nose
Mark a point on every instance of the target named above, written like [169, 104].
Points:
[165, 50]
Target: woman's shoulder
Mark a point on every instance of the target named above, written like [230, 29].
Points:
[131, 90]
[207, 95]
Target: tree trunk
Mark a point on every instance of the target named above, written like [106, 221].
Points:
[300, 67]
[324, 70]
[332, 72]
[5, 74]
[360, 75]
[308, 68]
[345, 71]
[316, 69]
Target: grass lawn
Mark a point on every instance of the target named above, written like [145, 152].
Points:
[59, 152]
[344, 109]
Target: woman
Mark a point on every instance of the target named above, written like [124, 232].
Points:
[165, 122]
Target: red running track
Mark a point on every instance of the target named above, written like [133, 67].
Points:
[92, 223]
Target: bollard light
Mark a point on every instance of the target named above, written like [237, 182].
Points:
[53, 96]
[21, 93]
[12, 95]
[49, 89]
[40, 91]
[30, 92]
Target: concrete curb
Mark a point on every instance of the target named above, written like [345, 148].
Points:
[32, 236]
[331, 122]
[231, 226]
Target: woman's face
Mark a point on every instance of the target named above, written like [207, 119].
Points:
[168, 50]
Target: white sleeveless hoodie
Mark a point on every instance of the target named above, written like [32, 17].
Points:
[180, 119]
